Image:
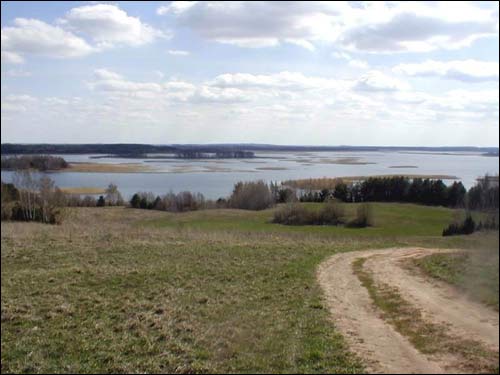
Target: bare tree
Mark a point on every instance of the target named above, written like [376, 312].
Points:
[113, 196]
[27, 186]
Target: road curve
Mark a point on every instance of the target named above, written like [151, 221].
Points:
[382, 348]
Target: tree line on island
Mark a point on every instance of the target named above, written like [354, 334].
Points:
[37, 162]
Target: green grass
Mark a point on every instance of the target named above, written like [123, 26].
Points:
[475, 271]
[391, 219]
[123, 290]
[427, 337]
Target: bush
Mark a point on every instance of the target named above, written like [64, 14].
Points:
[364, 217]
[296, 214]
[468, 226]
[332, 213]
[251, 196]
[293, 214]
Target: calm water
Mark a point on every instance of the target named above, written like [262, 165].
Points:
[215, 178]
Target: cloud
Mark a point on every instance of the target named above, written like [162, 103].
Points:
[34, 37]
[461, 70]
[377, 81]
[109, 25]
[106, 25]
[109, 81]
[292, 81]
[11, 58]
[17, 103]
[420, 27]
[175, 7]
[176, 52]
[352, 62]
[17, 73]
[253, 24]
[370, 26]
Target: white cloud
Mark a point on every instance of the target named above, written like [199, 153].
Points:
[17, 103]
[105, 24]
[352, 62]
[31, 36]
[283, 81]
[461, 70]
[106, 74]
[108, 81]
[176, 7]
[109, 25]
[11, 58]
[419, 27]
[176, 52]
[377, 81]
[358, 64]
[369, 26]
[17, 73]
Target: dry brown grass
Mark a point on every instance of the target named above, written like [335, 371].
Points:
[108, 168]
[83, 190]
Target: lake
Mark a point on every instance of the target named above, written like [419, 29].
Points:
[215, 177]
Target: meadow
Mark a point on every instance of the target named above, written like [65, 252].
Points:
[117, 289]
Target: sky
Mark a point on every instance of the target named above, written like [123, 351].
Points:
[302, 73]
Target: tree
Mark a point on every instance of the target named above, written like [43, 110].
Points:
[27, 185]
[456, 195]
[158, 204]
[113, 196]
[251, 196]
[101, 202]
[46, 192]
[135, 202]
[341, 192]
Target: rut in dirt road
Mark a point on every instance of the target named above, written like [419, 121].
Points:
[383, 348]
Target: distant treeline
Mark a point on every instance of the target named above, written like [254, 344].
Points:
[38, 162]
[188, 154]
[484, 195]
[130, 148]
[246, 195]
[216, 155]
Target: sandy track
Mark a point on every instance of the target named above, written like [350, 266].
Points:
[377, 342]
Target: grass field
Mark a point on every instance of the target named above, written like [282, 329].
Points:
[122, 290]
[476, 272]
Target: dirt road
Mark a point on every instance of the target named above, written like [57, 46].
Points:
[378, 343]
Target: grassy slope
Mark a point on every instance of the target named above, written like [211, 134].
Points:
[122, 290]
[474, 272]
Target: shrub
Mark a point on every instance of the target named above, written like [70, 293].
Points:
[251, 196]
[331, 213]
[468, 226]
[293, 214]
[296, 214]
[364, 217]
